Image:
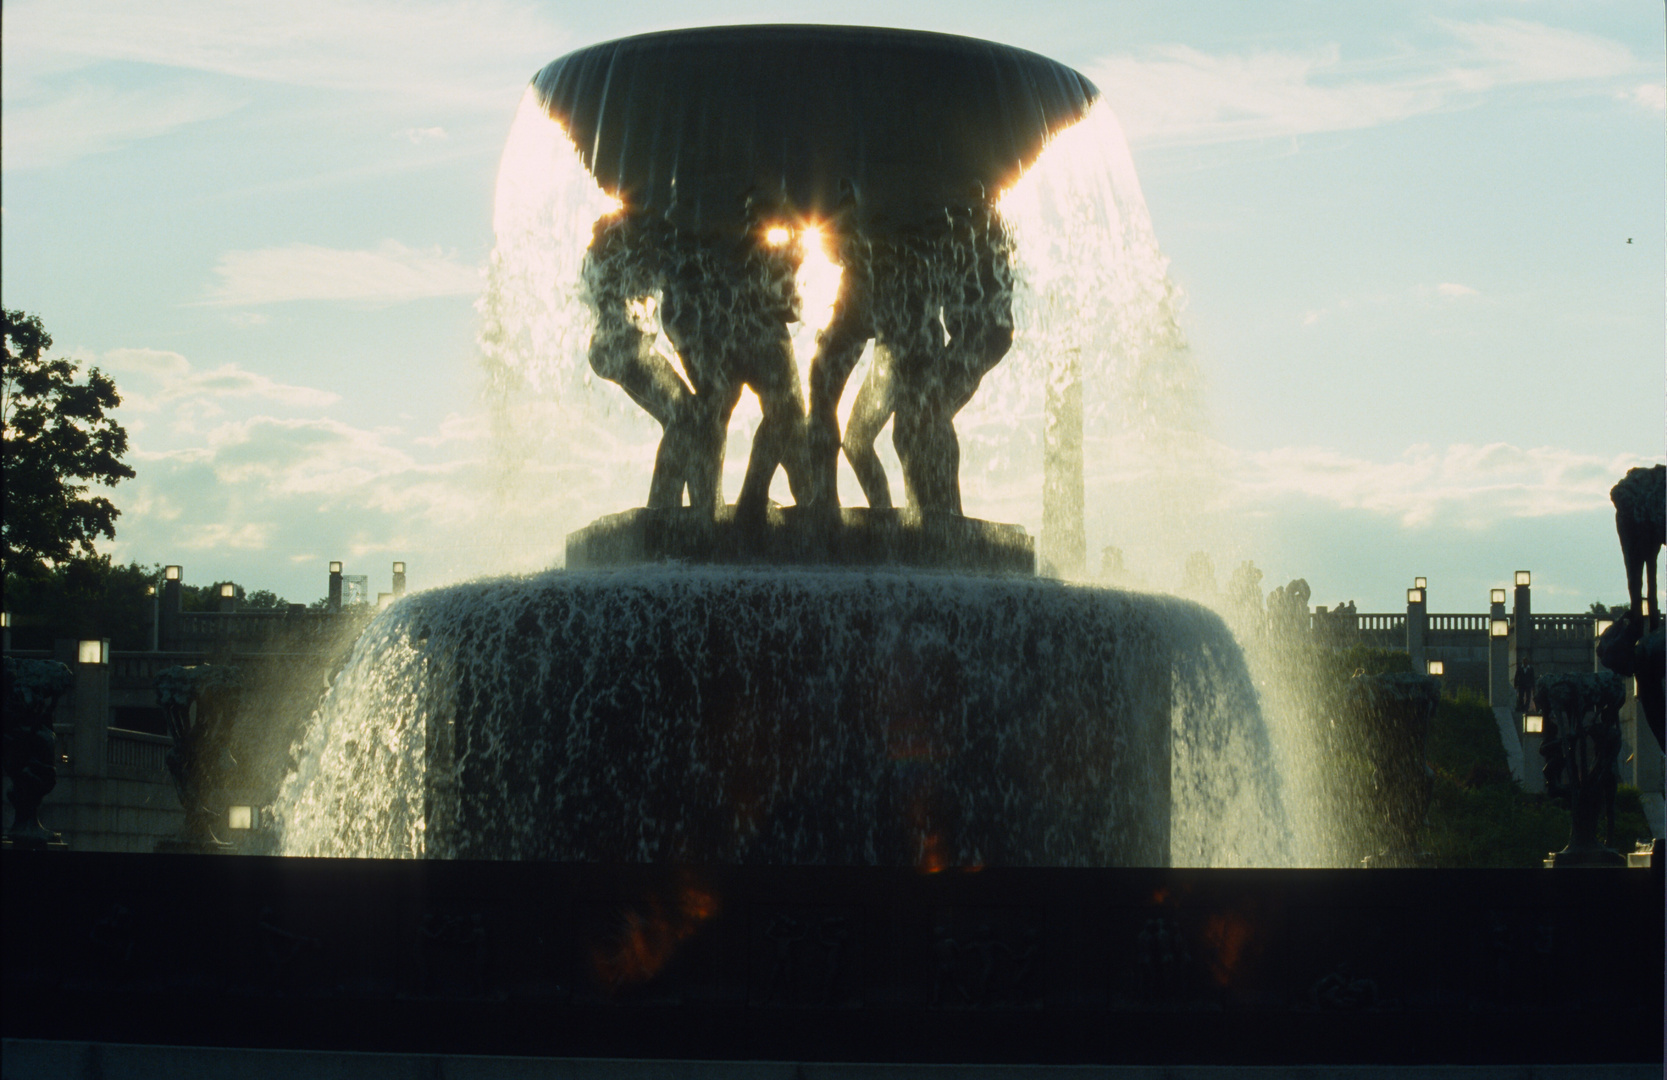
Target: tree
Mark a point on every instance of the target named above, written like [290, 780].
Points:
[57, 440]
[82, 598]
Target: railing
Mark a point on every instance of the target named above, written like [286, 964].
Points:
[140, 666]
[1475, 623]
[231, 625]
[1365, 621]
[1564, 627]
[206, 629]
[139, 750]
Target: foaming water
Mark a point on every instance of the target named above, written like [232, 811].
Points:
[468, 712]
[791, 717]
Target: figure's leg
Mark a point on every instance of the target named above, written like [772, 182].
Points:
[869, 414]
[1629, 530]
[774, 377]
[838, 348]
[697, 435]
[980, 331]
[1655, 599]
[624, 354]
[929, 462]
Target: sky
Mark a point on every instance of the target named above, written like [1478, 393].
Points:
[1421, 249]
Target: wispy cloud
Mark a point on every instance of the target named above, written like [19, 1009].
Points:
[390, 273]
[456, 52]
[84, 76]
[189, 394]
[1462, 485]
[57, 129]
[1422, 296]
[1649, 95]
[1177, 94]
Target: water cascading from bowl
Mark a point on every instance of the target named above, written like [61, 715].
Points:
[684, 234]
[843, 717]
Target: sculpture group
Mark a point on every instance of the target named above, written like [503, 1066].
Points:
[934, 296]
[729, 149]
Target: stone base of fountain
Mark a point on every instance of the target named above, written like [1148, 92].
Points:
[777, 715]
[791, 715]
[789, 536]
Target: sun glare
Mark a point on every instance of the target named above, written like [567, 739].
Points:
[541, 177]
[777, 235]
[818, 281]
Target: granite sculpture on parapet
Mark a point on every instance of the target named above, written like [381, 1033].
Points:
[1636, 644]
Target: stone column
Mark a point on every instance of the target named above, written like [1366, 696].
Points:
[1500, 692]
[1522, 623]
[90, 708]
[173, 606]
[334, 604]
[1417, 623]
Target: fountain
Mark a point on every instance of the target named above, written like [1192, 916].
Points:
[718, 788]
[750, 684]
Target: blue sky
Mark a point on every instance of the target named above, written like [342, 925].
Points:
[1401, 230]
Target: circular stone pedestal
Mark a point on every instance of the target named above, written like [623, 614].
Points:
[800, 716]
[791, 536]
[779, 716]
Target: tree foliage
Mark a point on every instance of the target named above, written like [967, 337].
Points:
[82, 598]
[58, 439]
[95, 598]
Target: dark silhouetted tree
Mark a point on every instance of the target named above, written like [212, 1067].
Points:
[58, 439]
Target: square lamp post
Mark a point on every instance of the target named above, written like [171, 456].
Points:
[1437, 667]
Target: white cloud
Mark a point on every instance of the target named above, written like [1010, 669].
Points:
[1649, 95]
[41, 131]
[1178, 94]
[189, 394]
[469, 53]
[81, 77]
[302, 456]
[1460, 485]
[1455, 290]
[390, 273]
[1512, 50]
[157, 362]
[457, 427]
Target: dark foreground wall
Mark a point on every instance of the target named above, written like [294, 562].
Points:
[1134, 966]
